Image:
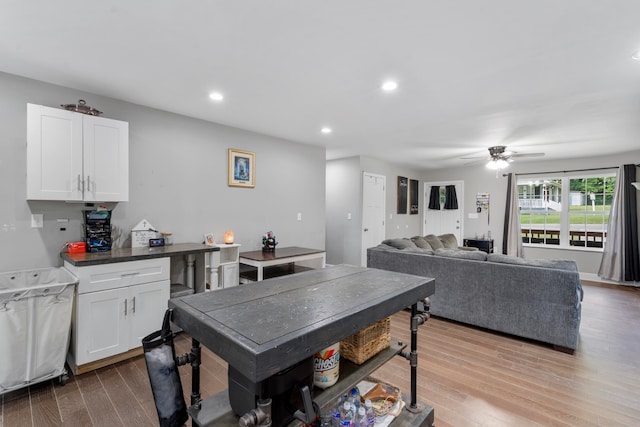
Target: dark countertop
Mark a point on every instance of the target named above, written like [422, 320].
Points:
[265, 327]
[279, 253]
[134, 254]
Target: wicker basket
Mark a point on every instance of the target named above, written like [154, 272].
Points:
[365, 344]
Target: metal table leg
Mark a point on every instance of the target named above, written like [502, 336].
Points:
[195, 375]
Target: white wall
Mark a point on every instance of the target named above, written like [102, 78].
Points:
[178, 181]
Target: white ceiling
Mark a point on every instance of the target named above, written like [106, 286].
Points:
[552, 76]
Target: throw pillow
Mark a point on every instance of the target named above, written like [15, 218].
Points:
[400, 243]
[434, 241]
[421, 242]
[449, 241]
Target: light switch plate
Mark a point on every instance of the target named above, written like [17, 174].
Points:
[37, 220]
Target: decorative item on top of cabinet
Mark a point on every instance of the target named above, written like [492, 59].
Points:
[141, 233]
[76, 157]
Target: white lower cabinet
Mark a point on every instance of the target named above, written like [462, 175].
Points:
[116, 306]
[223, 267]
[230, 275]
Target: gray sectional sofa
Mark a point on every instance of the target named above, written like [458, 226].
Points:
[535, 299]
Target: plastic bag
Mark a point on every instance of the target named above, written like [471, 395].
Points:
[159, 354]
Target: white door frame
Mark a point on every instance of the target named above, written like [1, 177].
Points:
[460, 194]
[365, 231]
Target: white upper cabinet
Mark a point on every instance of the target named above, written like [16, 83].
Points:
[73, 156]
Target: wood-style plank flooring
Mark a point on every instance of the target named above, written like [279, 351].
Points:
[472, 377]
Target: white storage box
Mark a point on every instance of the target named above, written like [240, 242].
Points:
[35, 321]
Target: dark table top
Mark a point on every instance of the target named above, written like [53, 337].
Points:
[279, 253]
[266, 327]
[134, 254]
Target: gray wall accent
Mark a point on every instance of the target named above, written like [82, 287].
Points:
[178, 181]
[480, 179]
[344, 195]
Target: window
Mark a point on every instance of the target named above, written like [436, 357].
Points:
[569, 211]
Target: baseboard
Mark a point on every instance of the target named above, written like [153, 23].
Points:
[591, 277]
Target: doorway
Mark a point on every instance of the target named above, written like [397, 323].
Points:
[373, 212]
[443, 221]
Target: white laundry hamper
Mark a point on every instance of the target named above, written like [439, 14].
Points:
[35, 322]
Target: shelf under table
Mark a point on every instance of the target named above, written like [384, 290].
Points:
[216, 410]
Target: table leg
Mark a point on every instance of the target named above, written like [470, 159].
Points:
[414, 358]
[260, 273]
[195, 373]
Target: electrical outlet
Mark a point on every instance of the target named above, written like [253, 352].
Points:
[37, 220]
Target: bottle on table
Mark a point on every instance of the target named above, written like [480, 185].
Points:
[347, 416]
[335, 411]
[361, 418]
[371, 415]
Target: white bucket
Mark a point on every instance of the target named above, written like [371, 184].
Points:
[326, 366]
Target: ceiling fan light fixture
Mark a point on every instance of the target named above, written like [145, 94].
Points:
[497, 164]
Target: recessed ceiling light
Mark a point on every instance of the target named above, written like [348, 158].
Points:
[325, 130]
[389, 86]
[636, 55]
[216, 96]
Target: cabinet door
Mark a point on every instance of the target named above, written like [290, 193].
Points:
[54, 154]
[106, 159]
[148, 303]
[230, 275]
[101, 326]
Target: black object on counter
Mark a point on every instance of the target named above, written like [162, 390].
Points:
[97, 230]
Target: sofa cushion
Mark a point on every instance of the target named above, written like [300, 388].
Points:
[386, 247]
[434, 241]
[560, 264]
[419, 251]
[449, 241]
[400, 243]
[457, 253]
[421, 242]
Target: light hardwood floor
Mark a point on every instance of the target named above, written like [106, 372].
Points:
[472, 377]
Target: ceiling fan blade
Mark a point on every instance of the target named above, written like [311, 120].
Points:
[474, 158]
[527, 155]
[475, 162]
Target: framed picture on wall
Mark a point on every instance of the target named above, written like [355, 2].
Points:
[242, 168]
[403, 183]
[413, 197]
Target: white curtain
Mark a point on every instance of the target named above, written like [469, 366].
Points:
[512, 239]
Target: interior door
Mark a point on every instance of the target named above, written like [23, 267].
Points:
[443, 221]
[373, 212]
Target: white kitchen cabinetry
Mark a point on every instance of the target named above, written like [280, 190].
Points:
[76, 157]
[224, 270]
[117, 304]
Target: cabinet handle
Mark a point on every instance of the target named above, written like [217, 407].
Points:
[125, 308]
[133, 305]
[79, 183]
[89, 183]
[129, 274]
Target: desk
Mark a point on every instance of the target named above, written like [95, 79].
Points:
[261, 259]
[263, 329]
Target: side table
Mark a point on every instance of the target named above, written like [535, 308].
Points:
[485, 245]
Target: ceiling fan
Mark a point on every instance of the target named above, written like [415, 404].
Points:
[500, 157]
